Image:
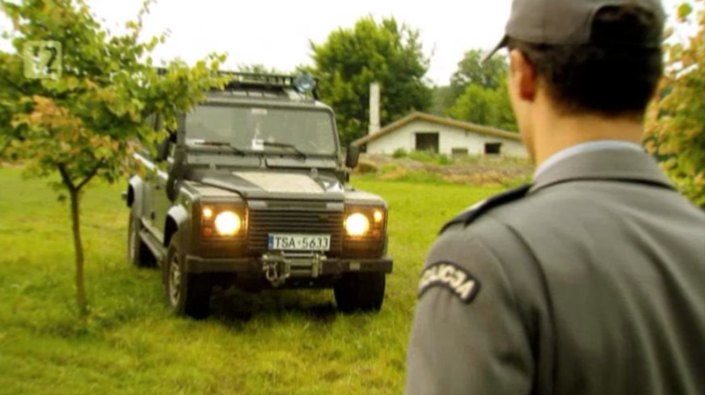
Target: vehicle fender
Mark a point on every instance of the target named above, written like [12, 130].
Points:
[177, 219]
[135, 193]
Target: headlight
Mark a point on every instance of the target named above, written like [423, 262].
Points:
[357, 225]
[227, 223]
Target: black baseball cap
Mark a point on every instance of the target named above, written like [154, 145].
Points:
[568, 22]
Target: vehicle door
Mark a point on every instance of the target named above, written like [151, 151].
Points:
[160, 201]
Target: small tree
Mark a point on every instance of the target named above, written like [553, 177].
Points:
[86, 124]
[478, 92]
[485, 106]
[676, 121]
[351, 59]
[473, 71]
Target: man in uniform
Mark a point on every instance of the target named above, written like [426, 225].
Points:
[592, 279]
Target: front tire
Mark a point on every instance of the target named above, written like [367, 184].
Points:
[360, 292]
[186, 293]
[138, 254]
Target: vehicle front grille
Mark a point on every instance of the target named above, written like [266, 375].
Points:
[263, 222]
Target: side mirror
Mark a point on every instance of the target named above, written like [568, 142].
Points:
[163, 150]
[352, 157]
[176, 174]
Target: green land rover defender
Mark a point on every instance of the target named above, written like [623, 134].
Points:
[250, 190]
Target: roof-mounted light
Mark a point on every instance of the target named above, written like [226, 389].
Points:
[304, 83]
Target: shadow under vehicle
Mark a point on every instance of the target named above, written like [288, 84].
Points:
[251, 190]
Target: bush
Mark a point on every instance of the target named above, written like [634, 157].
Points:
[366, 166]
[444, 160]
[431, 158]
[395, 172]
[400, 153]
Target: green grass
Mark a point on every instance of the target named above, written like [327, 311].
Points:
[431, 158]
[273, 343]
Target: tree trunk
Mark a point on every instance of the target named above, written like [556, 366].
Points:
[78, 248]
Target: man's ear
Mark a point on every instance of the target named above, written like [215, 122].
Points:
[524, 77]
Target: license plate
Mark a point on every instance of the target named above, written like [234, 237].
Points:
[298, 242]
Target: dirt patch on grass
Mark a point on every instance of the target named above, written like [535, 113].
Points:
[464, 170]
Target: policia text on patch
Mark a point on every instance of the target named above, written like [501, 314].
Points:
[451, 276]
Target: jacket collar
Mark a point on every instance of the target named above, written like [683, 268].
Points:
[625, 165]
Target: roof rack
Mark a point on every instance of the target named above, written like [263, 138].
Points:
[270, 82]
[277, 82]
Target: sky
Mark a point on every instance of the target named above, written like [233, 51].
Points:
[276, 33]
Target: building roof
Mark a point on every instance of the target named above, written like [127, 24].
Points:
[420, 116]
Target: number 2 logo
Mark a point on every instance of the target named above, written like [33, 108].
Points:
[42, 59]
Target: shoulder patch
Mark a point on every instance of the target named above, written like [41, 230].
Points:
[470, 215]
[451, 276]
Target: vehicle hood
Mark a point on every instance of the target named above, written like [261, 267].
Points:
[257, 184]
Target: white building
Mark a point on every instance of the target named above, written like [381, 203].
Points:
[426, 132]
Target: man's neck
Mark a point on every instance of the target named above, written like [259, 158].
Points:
[556, 133]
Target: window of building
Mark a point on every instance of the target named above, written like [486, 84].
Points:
[427, 142]
[493, 148]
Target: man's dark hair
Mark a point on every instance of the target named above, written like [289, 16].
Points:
[610, 76]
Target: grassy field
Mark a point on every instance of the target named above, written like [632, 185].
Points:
[271, 343]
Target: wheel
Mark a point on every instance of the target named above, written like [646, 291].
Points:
[138, 253]
[360, 291]
[187, 293]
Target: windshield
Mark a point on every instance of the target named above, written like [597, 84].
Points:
[262, 129]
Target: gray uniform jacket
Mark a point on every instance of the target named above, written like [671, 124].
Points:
[591, 282]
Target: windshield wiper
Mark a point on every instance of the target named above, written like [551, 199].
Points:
[220, 144]
[285, 145]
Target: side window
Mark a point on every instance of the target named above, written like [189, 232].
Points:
[172, 144]
[146, 152]
[180, 123]
[165, 148]
[151, 121]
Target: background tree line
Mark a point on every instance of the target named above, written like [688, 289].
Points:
[477, 92]
[391, 54]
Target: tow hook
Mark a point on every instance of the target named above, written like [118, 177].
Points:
[276, 272]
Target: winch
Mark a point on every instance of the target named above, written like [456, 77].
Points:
[279, 266]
